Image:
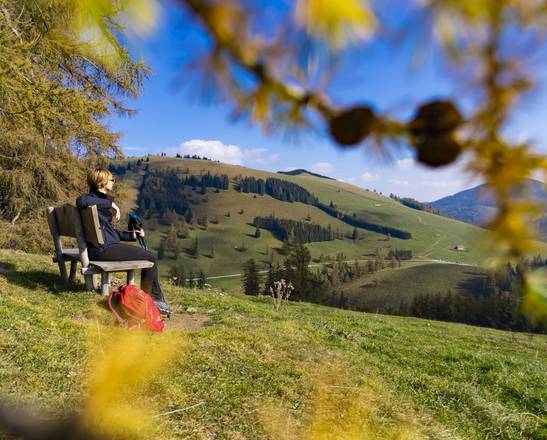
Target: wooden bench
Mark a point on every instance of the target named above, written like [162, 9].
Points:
[69, 221]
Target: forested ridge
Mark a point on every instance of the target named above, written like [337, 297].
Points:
[301, 232]
[291, 192]
[164, 190]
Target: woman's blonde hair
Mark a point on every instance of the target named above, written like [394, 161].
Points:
[98, 178]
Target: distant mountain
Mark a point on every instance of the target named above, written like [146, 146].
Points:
[299, 171]
[477, 205]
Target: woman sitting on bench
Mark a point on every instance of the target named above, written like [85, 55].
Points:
[100, 182]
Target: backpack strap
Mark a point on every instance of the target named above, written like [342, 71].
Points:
[122, 322]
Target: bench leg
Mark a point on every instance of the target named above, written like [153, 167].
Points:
[131, 276]
[105, 283]
[62, 268]
[89, 285]
[73, 267]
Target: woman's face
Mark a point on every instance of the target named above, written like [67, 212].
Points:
[110, 184]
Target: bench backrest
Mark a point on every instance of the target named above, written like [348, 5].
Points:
[82, 224]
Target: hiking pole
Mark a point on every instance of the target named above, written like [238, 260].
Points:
[135, 224]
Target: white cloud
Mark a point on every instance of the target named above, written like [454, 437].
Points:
[322, 167]
[443, 184]
[227, 153]
[405, 163]
[368, 177]
[523, 137]
[215, 150]
[259, 155]
[350, 179]
[400, 182]
[133, 149]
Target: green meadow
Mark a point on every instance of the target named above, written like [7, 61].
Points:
[245, 371]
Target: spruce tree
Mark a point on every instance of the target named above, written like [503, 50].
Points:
[298, 272]
[161, 250]
[201, 280]
[171, 241]
[251, 282]
[257, 232]
[191, 282]
[195, 248]
[176, 250]
[182, 229]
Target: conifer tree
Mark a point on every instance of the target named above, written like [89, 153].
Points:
[271, 277]
[176, 250]
[201, 280]
[251, 282]
[195, 248]
[297, 271]
[182, 229]
[172, 241]
[57, 89]
[161, 250]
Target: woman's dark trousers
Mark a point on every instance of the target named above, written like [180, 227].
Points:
[124, 252]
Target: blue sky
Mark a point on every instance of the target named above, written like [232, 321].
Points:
[173, 118]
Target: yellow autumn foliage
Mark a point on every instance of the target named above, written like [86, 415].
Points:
[122, 363]
[535, 300]
[94, 23]
[337, 22]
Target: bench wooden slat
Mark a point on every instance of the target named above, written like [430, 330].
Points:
[120, 266]
[69, 254]
[90, 222]
[65, 216]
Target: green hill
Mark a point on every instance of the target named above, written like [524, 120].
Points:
[433, 236]
[248, 372]
[387, 289]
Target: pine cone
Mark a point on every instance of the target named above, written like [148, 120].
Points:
[438, 150]
[435, 117]
[351, 126]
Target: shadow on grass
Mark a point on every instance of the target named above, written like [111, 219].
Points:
[33, 279]
[473, 285]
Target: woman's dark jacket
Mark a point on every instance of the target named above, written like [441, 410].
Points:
[104, 209]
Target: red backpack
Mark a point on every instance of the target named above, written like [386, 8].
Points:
[135, 309]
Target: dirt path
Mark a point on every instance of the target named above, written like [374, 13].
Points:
[186, 322]
[432, 247]
[420, 258]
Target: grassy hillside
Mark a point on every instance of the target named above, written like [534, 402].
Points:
[247, 372]
[433, 236]
[388, 288]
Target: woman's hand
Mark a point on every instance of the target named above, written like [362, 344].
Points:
[138, 233]
[116, 211]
